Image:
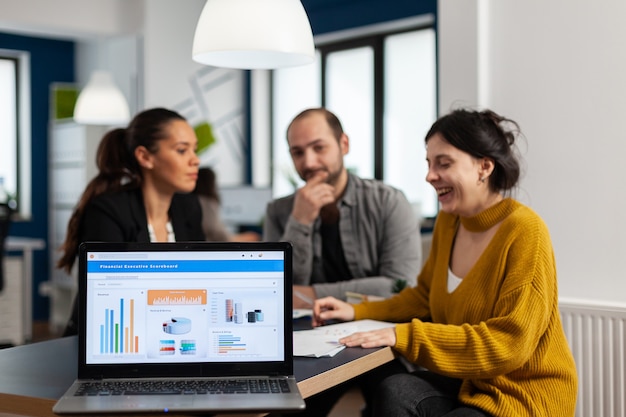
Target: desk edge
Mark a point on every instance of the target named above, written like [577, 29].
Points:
[345, 372]
[29, 406]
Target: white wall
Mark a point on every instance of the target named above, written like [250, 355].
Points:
[167, 50]
[71, 18]
[558, 68]
[174, 80]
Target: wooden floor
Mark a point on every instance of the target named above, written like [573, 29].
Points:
[349, 406]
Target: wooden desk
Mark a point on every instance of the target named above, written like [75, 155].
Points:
[34, 376]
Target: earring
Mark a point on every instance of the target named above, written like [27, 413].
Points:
[482, 179]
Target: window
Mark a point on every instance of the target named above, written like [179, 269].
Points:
[410, 109]
[15, 132]
[8, 119]
[349, 93]
[381, 82]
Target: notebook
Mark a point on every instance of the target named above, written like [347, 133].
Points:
[185, 327]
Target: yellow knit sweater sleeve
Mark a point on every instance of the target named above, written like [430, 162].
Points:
[500, 330]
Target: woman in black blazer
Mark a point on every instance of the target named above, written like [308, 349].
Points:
[142, 192]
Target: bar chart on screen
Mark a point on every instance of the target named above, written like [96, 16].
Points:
[245, 342]
[117, 331]
[229, 343]
[177, 297]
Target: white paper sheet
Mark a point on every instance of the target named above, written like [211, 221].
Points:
[324, 341]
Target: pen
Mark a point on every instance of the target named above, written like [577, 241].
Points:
[303, 297]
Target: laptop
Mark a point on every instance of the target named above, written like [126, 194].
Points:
[184, 327]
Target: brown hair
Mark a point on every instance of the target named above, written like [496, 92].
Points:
[206, 184]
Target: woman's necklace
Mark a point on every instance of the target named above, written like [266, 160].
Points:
[170, 232]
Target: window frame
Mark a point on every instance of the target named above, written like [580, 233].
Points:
[376, 44]
[22, 174]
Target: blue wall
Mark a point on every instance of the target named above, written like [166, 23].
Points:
[333, 15]
[51, 61]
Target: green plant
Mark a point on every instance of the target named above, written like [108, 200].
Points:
[206, 138]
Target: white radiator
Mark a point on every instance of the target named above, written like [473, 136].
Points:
[597, 336]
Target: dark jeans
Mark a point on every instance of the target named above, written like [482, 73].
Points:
[421, 394]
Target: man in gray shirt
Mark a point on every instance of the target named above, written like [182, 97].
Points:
[348, 233]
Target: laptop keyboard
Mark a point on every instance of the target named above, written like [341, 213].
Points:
[186, 387]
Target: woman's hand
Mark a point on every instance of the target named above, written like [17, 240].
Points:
[330, 308]
[371, 339]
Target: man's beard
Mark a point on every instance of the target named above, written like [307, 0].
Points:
[332, 178]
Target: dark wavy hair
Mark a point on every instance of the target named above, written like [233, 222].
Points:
[117, 168]
[484, 134]
[206, 184]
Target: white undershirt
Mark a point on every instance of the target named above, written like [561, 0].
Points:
[453, 281]
[170, 232]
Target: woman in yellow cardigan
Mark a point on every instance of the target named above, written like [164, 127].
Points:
[483, 322]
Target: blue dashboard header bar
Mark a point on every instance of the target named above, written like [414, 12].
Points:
[267, 265]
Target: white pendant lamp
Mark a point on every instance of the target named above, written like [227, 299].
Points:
[253, 34]
[101, 102]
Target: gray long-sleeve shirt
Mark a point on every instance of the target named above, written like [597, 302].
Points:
[379, 233]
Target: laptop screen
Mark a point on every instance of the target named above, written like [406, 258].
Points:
[183, 303]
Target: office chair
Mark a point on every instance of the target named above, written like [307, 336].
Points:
[5, 222]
